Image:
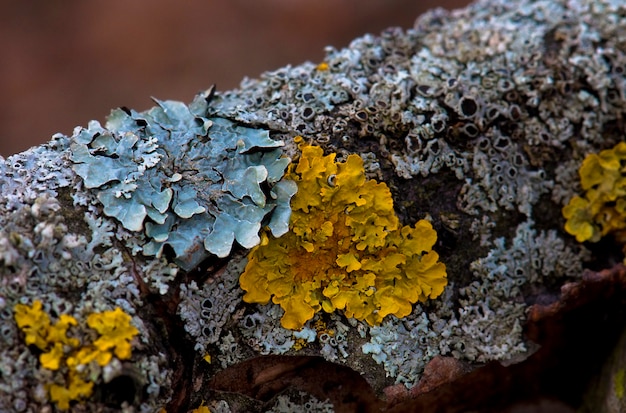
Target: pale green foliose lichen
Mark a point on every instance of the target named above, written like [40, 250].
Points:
[184, 179]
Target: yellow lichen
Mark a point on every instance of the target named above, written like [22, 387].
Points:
[619, 383]
[299, 344]
[322, 66]
[201, 409]
[34, 323]
[115, 330]
[64, 353]
[602, 210]
[76, 389]
[345, 249]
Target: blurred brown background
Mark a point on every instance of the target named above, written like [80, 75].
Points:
[66, 62]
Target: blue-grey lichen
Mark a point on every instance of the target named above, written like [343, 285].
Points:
[263, 331]
[334, 339]
[462, 91]
[488, 324]
[285, 403]
[184, 179]
[206, 309]
[389, 346]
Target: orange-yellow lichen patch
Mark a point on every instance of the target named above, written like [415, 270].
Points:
[201, 409]
[322, 66]
[602, 210]
[39, 331]
[76, 389]
[345, 249]
[115, 330]
[34, 323]
[65, 354]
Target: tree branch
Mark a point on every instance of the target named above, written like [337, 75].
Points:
[477, 122]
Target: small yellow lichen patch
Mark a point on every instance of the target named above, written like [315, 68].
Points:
[299, 344]
[39, 331]
[322, 66]
[602, 210]
[619, 383]
[322, 329]
[64, 354]
[76, 389]
[115, 330]
[34, 323]
[345, 249]
[201, 409]
[115, 334]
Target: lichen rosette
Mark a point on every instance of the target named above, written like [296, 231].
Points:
[602, 210]
[345, 249]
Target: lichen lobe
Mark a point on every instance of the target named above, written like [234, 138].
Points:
[184, 179]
